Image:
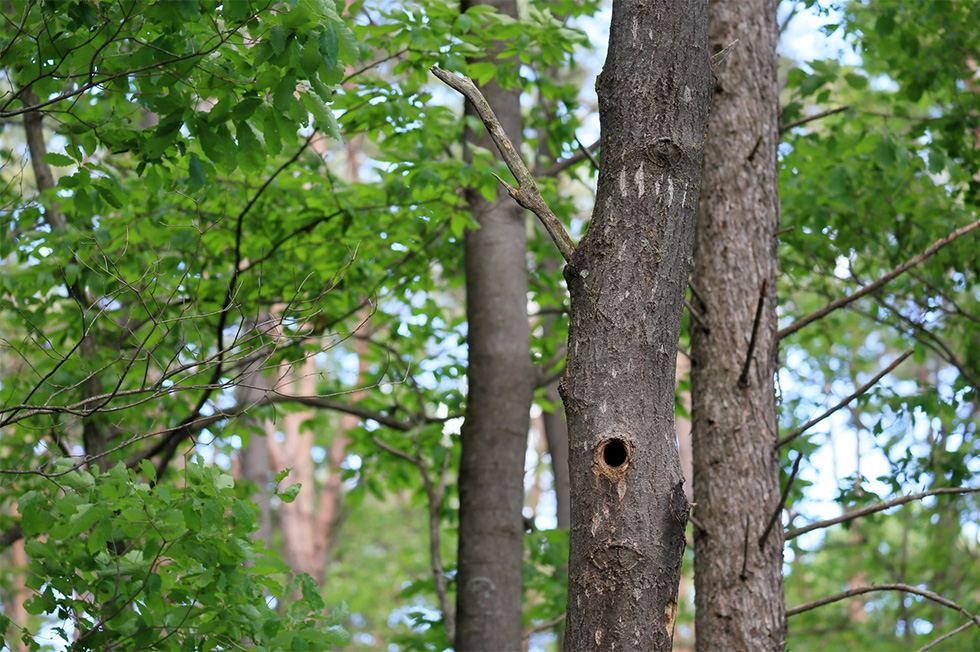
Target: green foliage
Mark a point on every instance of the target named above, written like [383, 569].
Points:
[125, 564]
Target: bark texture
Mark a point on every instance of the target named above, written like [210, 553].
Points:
[627, 280]
[494, 435]
[738, 583]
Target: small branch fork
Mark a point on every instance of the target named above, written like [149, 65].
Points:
[879, 507]
[527, 195]
[871, 287]
[860, 390]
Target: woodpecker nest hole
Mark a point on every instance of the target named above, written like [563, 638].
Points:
[613, 458]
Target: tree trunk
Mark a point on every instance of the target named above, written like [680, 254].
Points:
[738, 582]
[627, 280]
[494, 436]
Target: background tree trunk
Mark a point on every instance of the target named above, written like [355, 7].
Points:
[494, 436]
[738, 585]
[627, 280]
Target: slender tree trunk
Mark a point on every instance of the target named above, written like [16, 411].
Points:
[494, 436]
[627, 280]
[738, 581]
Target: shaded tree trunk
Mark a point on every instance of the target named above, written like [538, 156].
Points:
[500, 378]
[738, 581]
[627, 280]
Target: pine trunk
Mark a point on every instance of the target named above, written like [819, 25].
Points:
[627, 280]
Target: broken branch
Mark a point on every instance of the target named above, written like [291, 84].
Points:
[527, 194]
[871, 287]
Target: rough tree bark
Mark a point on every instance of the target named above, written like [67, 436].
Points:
[627, 280]
[500, 378]
[738, 581]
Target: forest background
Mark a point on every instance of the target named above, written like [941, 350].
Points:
[234, 333]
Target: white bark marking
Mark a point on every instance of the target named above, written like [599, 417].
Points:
[639, 179]
[635, 27]
[622, 182]
[670, 191]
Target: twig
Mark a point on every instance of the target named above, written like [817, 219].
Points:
[697, 293]
[871, 287]
[782, 501]
[860, 390]
[696, 522]
[527, 195]
[745, 551]
[588, 154]
[850, 593]
[879, 507]
[698, 317]
[543, 626]
[785, 229]
[743, 380]
[718, 57]
[558, 167]
[810, 118]
[933, 643]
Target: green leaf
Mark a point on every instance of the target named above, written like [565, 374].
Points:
[197, 178]
[289, 494]
[310, 58]
[325, 120]
[277, 39]
[856, 81]
[329, 45]
[58, 160]
[885, 154]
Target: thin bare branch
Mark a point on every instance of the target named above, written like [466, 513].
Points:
[871, 287]
[696, 314]
[588, 154]
[850, 593]
[860, 390]
[743, 379]
[527, 195]
[871, 509]
[810, 118]
[544, 626]
[782, 501]
[936, 641]
[558, 167]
